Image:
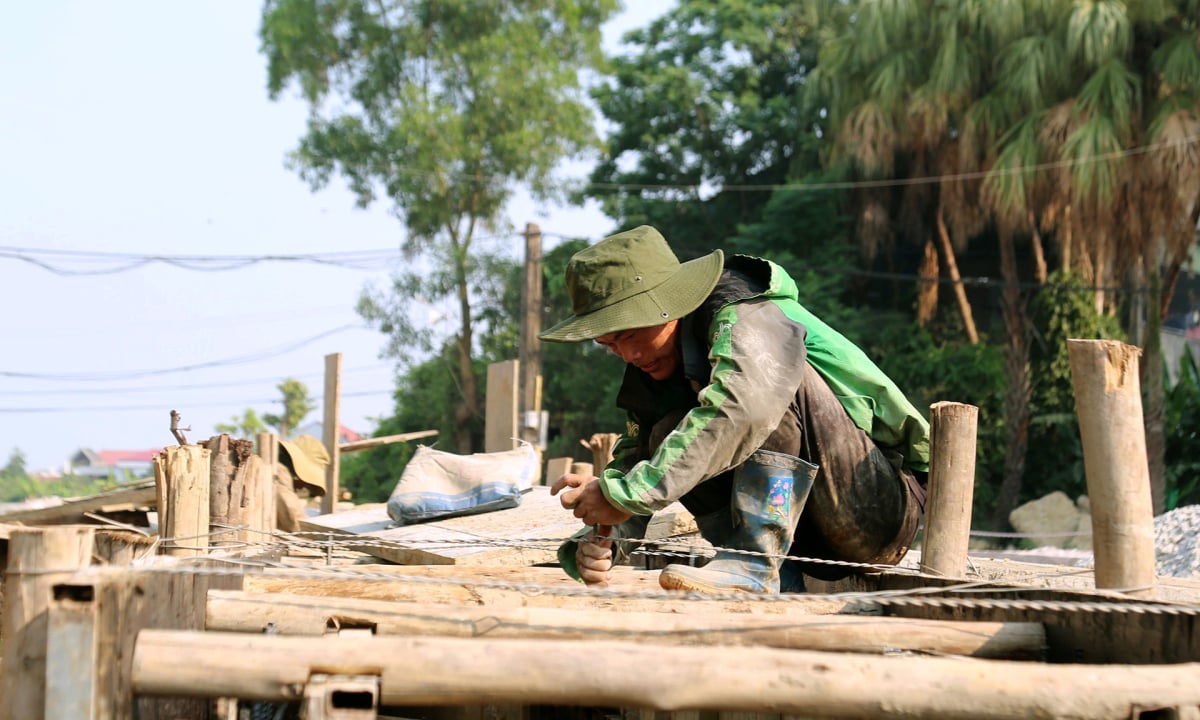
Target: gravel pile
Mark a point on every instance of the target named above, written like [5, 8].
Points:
[1175, 550]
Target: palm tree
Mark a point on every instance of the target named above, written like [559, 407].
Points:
[1083, 118]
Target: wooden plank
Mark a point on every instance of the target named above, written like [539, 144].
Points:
[331, 426]
[132, 497]
[71, 659]
[540, 519]
[38, 558]
[233, 611]
[453, 671]
[501, 430]
[556, 468]
[525, 535]
[526, 587]
[115, 604]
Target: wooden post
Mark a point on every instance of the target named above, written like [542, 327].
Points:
[583, 468]
[268, 450]
[72, 658]
[1108, 401]
[531, 324]
[456, 671]
[500, 422]
[331, 425]
[96, 614]
[601, 445]
[183, 473]
[951, 488]
[556, 468]
[37, 559]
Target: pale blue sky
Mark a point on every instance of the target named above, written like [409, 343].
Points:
[143, 127]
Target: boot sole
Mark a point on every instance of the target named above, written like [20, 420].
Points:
[669, 581]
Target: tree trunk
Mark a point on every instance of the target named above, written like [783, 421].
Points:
[1016, 370]
[927, 286]
[960, 292]
[1153, 393]
[1039, 253]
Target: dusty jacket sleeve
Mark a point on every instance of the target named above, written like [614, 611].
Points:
[757, 356]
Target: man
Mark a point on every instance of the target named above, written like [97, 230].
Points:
[777, 433]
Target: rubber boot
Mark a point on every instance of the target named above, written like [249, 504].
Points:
[769, 492]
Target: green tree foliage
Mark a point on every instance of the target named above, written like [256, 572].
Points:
[424, 401]
[247, 426]
[1063, 308]
[1183, 423]
[440, 108]
[16, 485]
[15, 466]
[706, 97]
[297, 404]
[1046, 101]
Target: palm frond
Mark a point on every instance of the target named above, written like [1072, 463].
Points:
[1097, 31]
[1031, 70]
[1090, 149]
[1113, 91]
[1177, 64]
[1175, 131]
[955, 67]
[869, 135]
[1007, 186]
[1003, 20]
[893, 78]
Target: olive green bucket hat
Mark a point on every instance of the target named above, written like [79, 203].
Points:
[632, 280]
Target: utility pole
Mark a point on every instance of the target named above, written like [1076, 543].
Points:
[531, 324]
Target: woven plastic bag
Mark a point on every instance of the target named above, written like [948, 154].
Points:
[437, 484]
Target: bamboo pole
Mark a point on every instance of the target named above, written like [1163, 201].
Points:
[183, 472]
[386, 440]
[305, 615]
[453, 671]
[951, 488]
[37, 559]
[1108, 401]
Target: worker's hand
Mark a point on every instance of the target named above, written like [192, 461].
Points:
[593, 556]
[587, 501]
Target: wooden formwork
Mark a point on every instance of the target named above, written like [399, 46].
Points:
[171, 637]
[299, 625]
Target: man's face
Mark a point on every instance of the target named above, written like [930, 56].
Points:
[654, 350]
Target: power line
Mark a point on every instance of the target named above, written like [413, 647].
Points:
[125, 262]
[192, 386]
[183, 407]
[841, 185]
[134, 374]
[374, 259]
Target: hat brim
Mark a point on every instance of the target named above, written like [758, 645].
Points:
[670, 300]
[309, 473]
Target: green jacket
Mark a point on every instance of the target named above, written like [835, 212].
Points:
[744, 351]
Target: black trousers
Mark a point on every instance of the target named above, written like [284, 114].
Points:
[864, 507]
